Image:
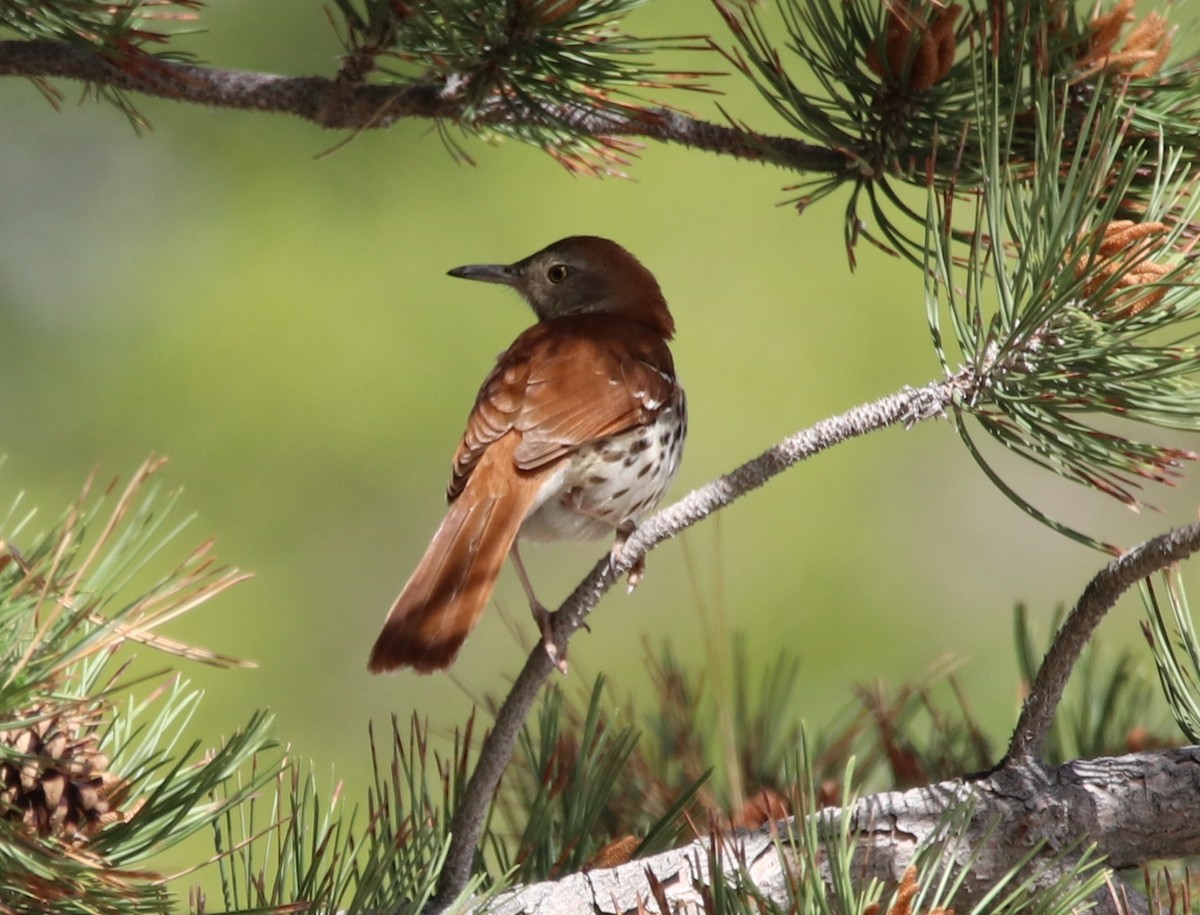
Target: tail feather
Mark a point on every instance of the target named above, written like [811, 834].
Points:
[444, 598]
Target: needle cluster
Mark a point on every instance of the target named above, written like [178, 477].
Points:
[93, 782]
[548, 72]
[896, 90]
[1069, 292]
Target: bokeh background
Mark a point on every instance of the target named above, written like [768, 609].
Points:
[279, 323]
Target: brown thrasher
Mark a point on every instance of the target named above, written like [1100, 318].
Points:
[575, 434]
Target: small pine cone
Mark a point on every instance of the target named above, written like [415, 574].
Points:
[925, 40]
[1145, 49]
[1122, 262]
[615, 853]
[53, 777]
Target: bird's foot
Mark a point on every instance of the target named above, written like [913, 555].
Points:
[545, 620]
[637, 570]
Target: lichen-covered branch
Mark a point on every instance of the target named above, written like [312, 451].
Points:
[1135, 808]
[345, 105]
[906, 407]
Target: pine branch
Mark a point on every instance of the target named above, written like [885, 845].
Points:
[1098, 598]
[336, 105]
[1020, 827]
[907, 407]
[896, 100]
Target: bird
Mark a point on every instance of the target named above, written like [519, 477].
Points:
[575, 434]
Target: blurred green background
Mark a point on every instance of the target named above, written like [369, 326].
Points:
[281, 326]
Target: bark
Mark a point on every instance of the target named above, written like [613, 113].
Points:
[906, 408]
[341, 104]
[1135, 809]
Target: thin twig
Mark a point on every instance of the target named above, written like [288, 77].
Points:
[908, 407]
[1101, 593]
[346, 105]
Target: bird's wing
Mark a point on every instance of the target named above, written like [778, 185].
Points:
[564, 383]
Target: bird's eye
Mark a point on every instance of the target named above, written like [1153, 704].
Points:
[557, 273]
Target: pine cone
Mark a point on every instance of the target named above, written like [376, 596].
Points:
[54, 778]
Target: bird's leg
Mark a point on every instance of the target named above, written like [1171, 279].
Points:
[541, 615]
[638, 569]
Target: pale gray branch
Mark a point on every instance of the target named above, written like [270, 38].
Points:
[1097, 599]
[1135, 808]
[906, 407]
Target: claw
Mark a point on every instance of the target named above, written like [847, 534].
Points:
[638, 569]
[545, 621]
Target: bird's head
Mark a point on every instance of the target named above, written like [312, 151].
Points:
[583, 274]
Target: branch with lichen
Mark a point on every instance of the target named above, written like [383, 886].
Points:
[1063, 311]
[895, 95]
[335, 105]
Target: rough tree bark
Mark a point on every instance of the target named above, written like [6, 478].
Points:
[338, 104]
[1133, 808]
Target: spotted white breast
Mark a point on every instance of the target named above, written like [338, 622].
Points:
[613, 483]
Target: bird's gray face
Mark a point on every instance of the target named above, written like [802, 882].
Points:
[554, 281]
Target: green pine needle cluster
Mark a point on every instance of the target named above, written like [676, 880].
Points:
[582, 789]
[97, 775]
[894, 87]
[547, 72]
[114, 29]
[301, 846]
[1176, 645]
[1068, 293]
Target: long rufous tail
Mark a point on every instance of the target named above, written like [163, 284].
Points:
[444, 598]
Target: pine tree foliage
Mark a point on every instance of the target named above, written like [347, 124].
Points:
[97, 775]
[898, 91]
[1071, 298]
[296, 848]
[1034, 161]
[530, 69]
[114, 28]
[1176, 646]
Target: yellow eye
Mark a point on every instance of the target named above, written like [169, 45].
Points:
[557, 273]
